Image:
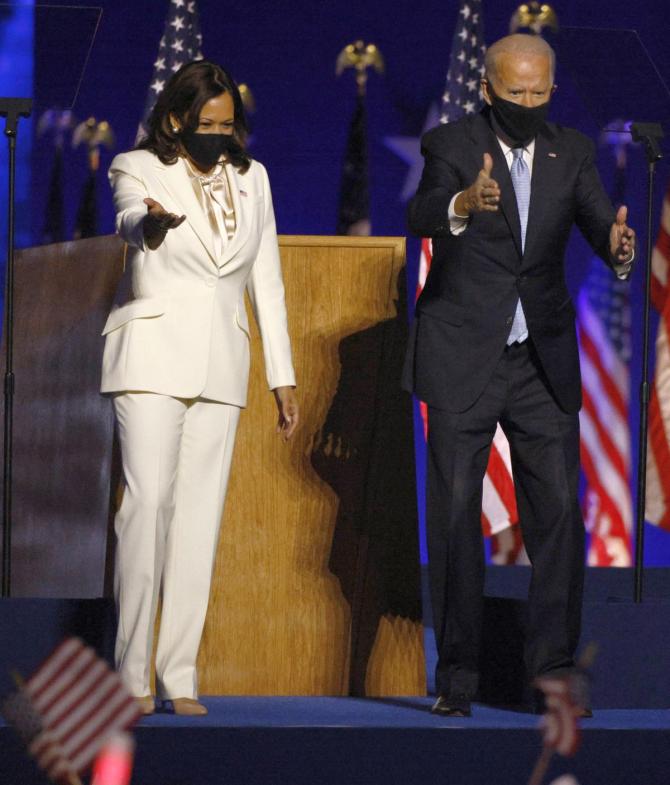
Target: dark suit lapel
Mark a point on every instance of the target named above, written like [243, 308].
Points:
[544, 184]
[488, 142]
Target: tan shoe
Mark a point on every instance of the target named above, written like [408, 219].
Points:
[188, 707]
[146, 704]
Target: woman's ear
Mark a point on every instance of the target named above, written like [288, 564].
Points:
[174, 124]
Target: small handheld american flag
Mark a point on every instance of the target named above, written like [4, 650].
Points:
[564, 698]
[560, 728]
[68, 709]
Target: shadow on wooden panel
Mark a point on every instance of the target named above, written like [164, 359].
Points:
[364, 453]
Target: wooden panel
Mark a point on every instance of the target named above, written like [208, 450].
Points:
[62, 426]
[316, 589]
[313, 544]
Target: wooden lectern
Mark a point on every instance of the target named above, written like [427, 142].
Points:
[317, 586]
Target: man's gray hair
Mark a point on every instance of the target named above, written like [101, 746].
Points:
[519, 43]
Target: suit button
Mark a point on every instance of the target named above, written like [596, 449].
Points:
[509, 320]
[211, 282]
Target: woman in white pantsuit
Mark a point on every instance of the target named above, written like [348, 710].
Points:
[197, 215]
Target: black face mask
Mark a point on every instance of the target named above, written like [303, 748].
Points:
[519, 123]
[206, 149]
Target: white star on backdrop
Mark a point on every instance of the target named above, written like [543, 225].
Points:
[409, 149]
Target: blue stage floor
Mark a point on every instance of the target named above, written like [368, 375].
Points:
[349, 741]
[290, 712]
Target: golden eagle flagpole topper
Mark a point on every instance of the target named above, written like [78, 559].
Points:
[93, 134]
[533, 17]
[360, 56]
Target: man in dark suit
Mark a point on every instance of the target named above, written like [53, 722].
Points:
[494, 341]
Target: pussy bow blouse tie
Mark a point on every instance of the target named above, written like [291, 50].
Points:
[217, 202]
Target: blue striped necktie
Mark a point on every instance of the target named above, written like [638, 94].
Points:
[521, 182]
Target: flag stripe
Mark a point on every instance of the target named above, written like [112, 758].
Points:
[657, 502]
[63, 653]
[609, 479]
[57, 687]
[603, 313]
[78, 690]
[123, 715]
[612, 431]
[613, 377]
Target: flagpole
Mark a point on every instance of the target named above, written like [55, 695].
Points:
[12, 109]
[541, 766]
[648, 134]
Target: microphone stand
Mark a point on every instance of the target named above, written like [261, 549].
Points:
[648, 134]
[12, 109]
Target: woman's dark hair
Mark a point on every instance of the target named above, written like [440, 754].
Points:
[183, 97]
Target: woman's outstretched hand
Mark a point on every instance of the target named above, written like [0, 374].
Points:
[157, 222]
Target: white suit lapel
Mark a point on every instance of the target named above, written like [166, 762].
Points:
[243, 204]
[178, 184]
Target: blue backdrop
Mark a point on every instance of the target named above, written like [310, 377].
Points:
[286, 52]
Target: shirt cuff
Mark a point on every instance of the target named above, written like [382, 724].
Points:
[457, 223]
[622, 269]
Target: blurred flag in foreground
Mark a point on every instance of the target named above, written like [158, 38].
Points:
[564, 699]
[560, 729]
[68, 710]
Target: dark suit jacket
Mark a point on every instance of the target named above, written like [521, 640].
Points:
[465, 312]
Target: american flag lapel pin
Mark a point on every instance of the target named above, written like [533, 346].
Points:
[243, 193]
[552, 155]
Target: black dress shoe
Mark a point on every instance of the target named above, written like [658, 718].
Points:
[458, 706]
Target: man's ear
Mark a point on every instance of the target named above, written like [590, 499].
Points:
[486, 94]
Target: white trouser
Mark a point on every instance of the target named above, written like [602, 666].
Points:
[176, 460]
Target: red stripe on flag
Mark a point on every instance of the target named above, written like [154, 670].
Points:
[618, 526]
[659, 446]
[502, 482]
[616, 458]
[610, 388]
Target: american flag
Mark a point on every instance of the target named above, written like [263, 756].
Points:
[603, 315]
[68, 709]
[181, 43]
[461, 97]
[560, 728]
[658, 453]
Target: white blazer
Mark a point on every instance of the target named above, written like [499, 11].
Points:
[179, 326]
